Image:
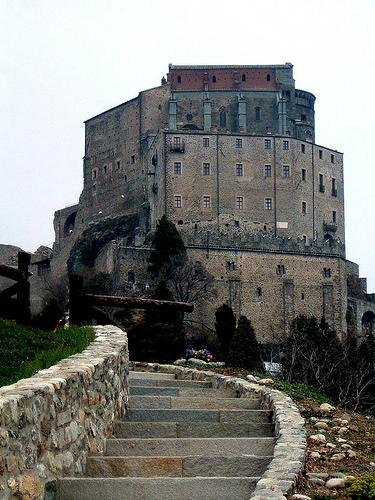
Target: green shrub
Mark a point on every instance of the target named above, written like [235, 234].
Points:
[25, 350]
[301, 391]
[362, 487]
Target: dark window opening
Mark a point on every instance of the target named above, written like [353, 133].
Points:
[259, 291]
[334, 216]
[118, 164]
[131, 277]
[304, 207]
[105, 169]
[303, 174]
[328, 237]
[268, 77]
[327, 272]
[180, 222]
[320, 154]
[368, 322]
[244, 78]
[223, 118]
[178, 79]
[94, 188]
[302, 296]
[231, 266]
[280, 270]
[303, 148]
[133, 159]
[257, 113]
[303, 118]
[332, 158]
[236, 223]
[334, 188]
[69, 224]
[321, 183]
[214, 79]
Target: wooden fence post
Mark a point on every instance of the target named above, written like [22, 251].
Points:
[23, 313]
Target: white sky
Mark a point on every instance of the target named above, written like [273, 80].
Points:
[63, 61]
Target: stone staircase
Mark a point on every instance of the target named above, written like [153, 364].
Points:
[182, 439]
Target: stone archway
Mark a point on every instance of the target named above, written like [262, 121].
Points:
[69, 224]
[368, 322]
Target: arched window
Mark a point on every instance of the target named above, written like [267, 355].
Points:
[223, 118]
[368, 322]
[244, 78]
[214, 79]
[69, 224]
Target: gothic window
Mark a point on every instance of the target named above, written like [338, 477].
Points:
[223, 118]
[214, 79]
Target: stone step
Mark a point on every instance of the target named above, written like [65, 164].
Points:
[194, 430]
[218, 488]
[168, 402]
[149, 390]
[185, 466]
[198, 415]
[167, 383]
[190, 446]
[151, 376]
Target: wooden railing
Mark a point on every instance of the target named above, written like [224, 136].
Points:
[21, 288]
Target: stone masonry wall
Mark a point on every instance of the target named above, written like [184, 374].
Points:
[51, 421]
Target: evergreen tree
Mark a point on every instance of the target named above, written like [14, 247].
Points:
[244, 349]
[225, 326]
[168, 247]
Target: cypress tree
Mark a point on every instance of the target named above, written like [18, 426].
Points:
[225, 326]
[244, 349]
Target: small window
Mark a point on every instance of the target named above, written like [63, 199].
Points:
[131, 277]
[214, 79]
[268, 203]
[236, 223]
[280, 270]
[304, 239]
[268, 77]
[223, 118]
[267, 143]
[118, 163]
[286, 171]
[105, 168]
[303, 207]
[94, 188]
[267, 171]
[177, 168]
[207, 201]
[231, 266]
[243, 78]
[285, 145]
[320, 154]
[178, 79]
[259, 292]
[334, 216]
[206, 142]
[333, 187]
[238, 143]
[177, 141]
[332, 158]
[239, 170]
[321, 183]
[178, 201]
[257, 113]
[303, 118]
[94, 173]
[302, 296]
[303, 148]
[206, 169]
[239, 202]
[180, 222]
[303, 174]
[327, 272]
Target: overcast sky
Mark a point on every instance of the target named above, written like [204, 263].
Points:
[65, 61]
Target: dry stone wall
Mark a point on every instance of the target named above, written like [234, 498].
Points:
[51, 421]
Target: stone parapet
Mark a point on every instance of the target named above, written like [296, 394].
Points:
[51, 421]
[289, 453]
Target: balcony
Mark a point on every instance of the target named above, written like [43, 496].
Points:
[329, 227]
[177, 146]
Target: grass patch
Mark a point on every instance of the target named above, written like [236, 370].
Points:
[300, 392]
[25, 350]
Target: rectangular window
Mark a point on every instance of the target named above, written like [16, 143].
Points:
[327, 272]
[207, 201]
[332, 158]
[94, 173]
[303, 148]
[267, 143]
[206, 142]
[177, 141]
[267, 171]
[178, 201]
[238, 143]
[303, 207]
[94, 188]
[321, 183]
[239, 202]
[231, 266]
[286, 171]
[334, 216]
[285, 145]
[268, 203]
[303, 174]
[177, 168]
[334, 188]
[118, 163]
[280, 269]
[257, 114]
[206, 169]
[239, 170]
[320, 154]
[105, 169]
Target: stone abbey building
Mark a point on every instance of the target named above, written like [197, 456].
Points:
[228, 154]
